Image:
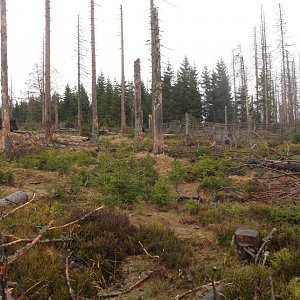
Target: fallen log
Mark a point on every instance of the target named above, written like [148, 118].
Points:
[15, 199]
[284, 165]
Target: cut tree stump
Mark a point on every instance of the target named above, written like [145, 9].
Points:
[15, 199]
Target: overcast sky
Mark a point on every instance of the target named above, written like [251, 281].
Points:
[203, 30]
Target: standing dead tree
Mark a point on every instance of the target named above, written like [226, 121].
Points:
[157, 111]
[48, 133]
[95, 131]
[123, 113]
[55, 105]
[283, 57]
[256, 73]
[7, 144]
[138, 133]
[79, 105]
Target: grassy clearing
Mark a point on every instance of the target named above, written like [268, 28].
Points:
[104, 243]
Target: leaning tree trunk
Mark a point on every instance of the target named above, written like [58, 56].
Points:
[48, 133]
[4, 84]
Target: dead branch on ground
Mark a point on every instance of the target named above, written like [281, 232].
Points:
[78, 220]
[71, 291]
[18, 207]
[147, 253]
[126, 290]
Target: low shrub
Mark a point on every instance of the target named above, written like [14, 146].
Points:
[288, 214]
[58, 192]
[7, 178]
[124, 180]
[248, 282]
[214, 182]
[104, 240]
[163, 192]
[56, 160]
[285, 263]
[296, 138]
[162, 241]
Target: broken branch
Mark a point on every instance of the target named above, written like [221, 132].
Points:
[11, 259]
[78, 220]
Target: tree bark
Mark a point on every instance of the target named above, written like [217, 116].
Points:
[7, 144]
[158, 142]
[138, 133]
[95, 131]
[14, 199]
[123, 113]
[48, 133]
[283, 57]
[55, 102]
[79, 105]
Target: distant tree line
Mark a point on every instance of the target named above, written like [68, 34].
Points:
[203, 97]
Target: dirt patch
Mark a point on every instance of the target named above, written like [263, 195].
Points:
[188, 189]
[173, 220]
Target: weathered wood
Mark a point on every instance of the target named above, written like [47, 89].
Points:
[48, 133]
[55, 102]
[15, 199]
[138, 112]
[285, 165]
[123, 113]
[95, 132]
[7, 144]
[157, 101]
[79, 104]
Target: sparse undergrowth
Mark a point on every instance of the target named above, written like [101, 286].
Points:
[102, 244]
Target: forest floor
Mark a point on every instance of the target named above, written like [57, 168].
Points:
[183, 206]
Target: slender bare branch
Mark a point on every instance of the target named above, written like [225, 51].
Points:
[78, 220]
[17, 208]
[12, 258]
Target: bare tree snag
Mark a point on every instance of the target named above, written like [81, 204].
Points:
[234, 86]
[7, 144]
[48, 133]
[158, 142]
[79, 105]
[55, 103]
[138, 133]
[43, 84]
[256, 72]
[283, 57]
[123, 113]
[95, 131]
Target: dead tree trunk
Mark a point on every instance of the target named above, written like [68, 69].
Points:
[79, 105]
[43, 84]
[95, 131]
[7, 144]
[295, 94]
[256, 72]
[55, 102]
[123, 113]
[158, 142]
[234, 86]
[283, 52]
[14, 199]
[264, 71]
[245, 88]
[11, 104]
[48, 133]
[138, 133]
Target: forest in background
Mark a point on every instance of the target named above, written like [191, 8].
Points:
[273, 99]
